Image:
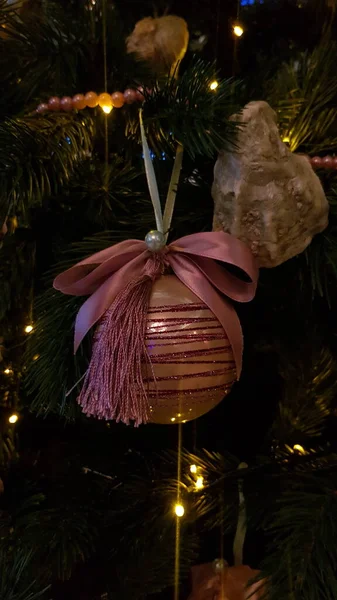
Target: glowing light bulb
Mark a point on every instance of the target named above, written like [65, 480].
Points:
[173, 419]
[29, 328]
[179, 415]
[179, 510]
[199, 484]
[107, 109]
[238, 30]
[193, 468]
[299, 448]
[286, 140]
[213, 85]
[36, 357]
[8, 371]
[13, 418]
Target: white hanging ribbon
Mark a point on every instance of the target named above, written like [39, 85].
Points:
[163, 224]
[151, 178]
[172, 191]
[240, 534]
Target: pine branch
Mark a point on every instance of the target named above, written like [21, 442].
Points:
[304, 94]
[15, 583]
[310, 393]
[189, 113]
[38, 155]
[302, 558]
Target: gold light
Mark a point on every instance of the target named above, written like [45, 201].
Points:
[36, 357]
[286, 139]
[173, 419]
[199, 484]
[299, 448]
[13, 418]
[213, 85]
[8, 371]
[179, 510]
[238, 30]
[107, 109]
[29, 328]
[193, 468]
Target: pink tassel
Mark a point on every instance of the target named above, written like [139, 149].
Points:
[113, 386]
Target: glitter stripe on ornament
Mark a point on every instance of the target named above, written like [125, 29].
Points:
[187, 382]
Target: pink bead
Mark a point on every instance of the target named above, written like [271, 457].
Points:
[316, 162]
[130, 96]
[54, 103]
[118, 99]
[140, 95]
[42, 108]
[334, 162]
[79, 102]
[327, 162]
[66, 103]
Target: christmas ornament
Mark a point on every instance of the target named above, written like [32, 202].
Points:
[263, 194]
[161, 43]
[162, 345]
[230, 583]
[121, 281]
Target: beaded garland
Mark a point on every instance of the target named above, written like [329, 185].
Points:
[323, 162]
[91, 100]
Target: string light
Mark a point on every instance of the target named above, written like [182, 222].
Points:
[36, 357]
[193, 468]
[286, 140]
[299, 448]
[199, 484]
[179, 510]
[173, 419]
[214, 85]
[13, 418]
[237, 30]
[107, 109]
[8, 371]
[29, 328]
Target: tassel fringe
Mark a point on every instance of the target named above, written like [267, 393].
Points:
[113, 386]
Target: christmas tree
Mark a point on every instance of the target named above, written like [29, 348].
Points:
[246, 493]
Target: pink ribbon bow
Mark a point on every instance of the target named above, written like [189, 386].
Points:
[193, 259]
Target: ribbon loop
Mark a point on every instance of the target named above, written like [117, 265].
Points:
[198, 260]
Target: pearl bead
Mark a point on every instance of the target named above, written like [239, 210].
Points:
[316, 162]
[54, 103]
[66, 103]
[327, 162]
[219, 565]
[91, 99]
[155, 240]
[130, 96]
[42, 108]
[118, 99]
[79, 102]
[104, 99]
[140, 95]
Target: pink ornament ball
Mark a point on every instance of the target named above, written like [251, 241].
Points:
[54, 103]
[42, 108]
[130, 96]
[66, 103]
[193, 366]
[334, 162]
